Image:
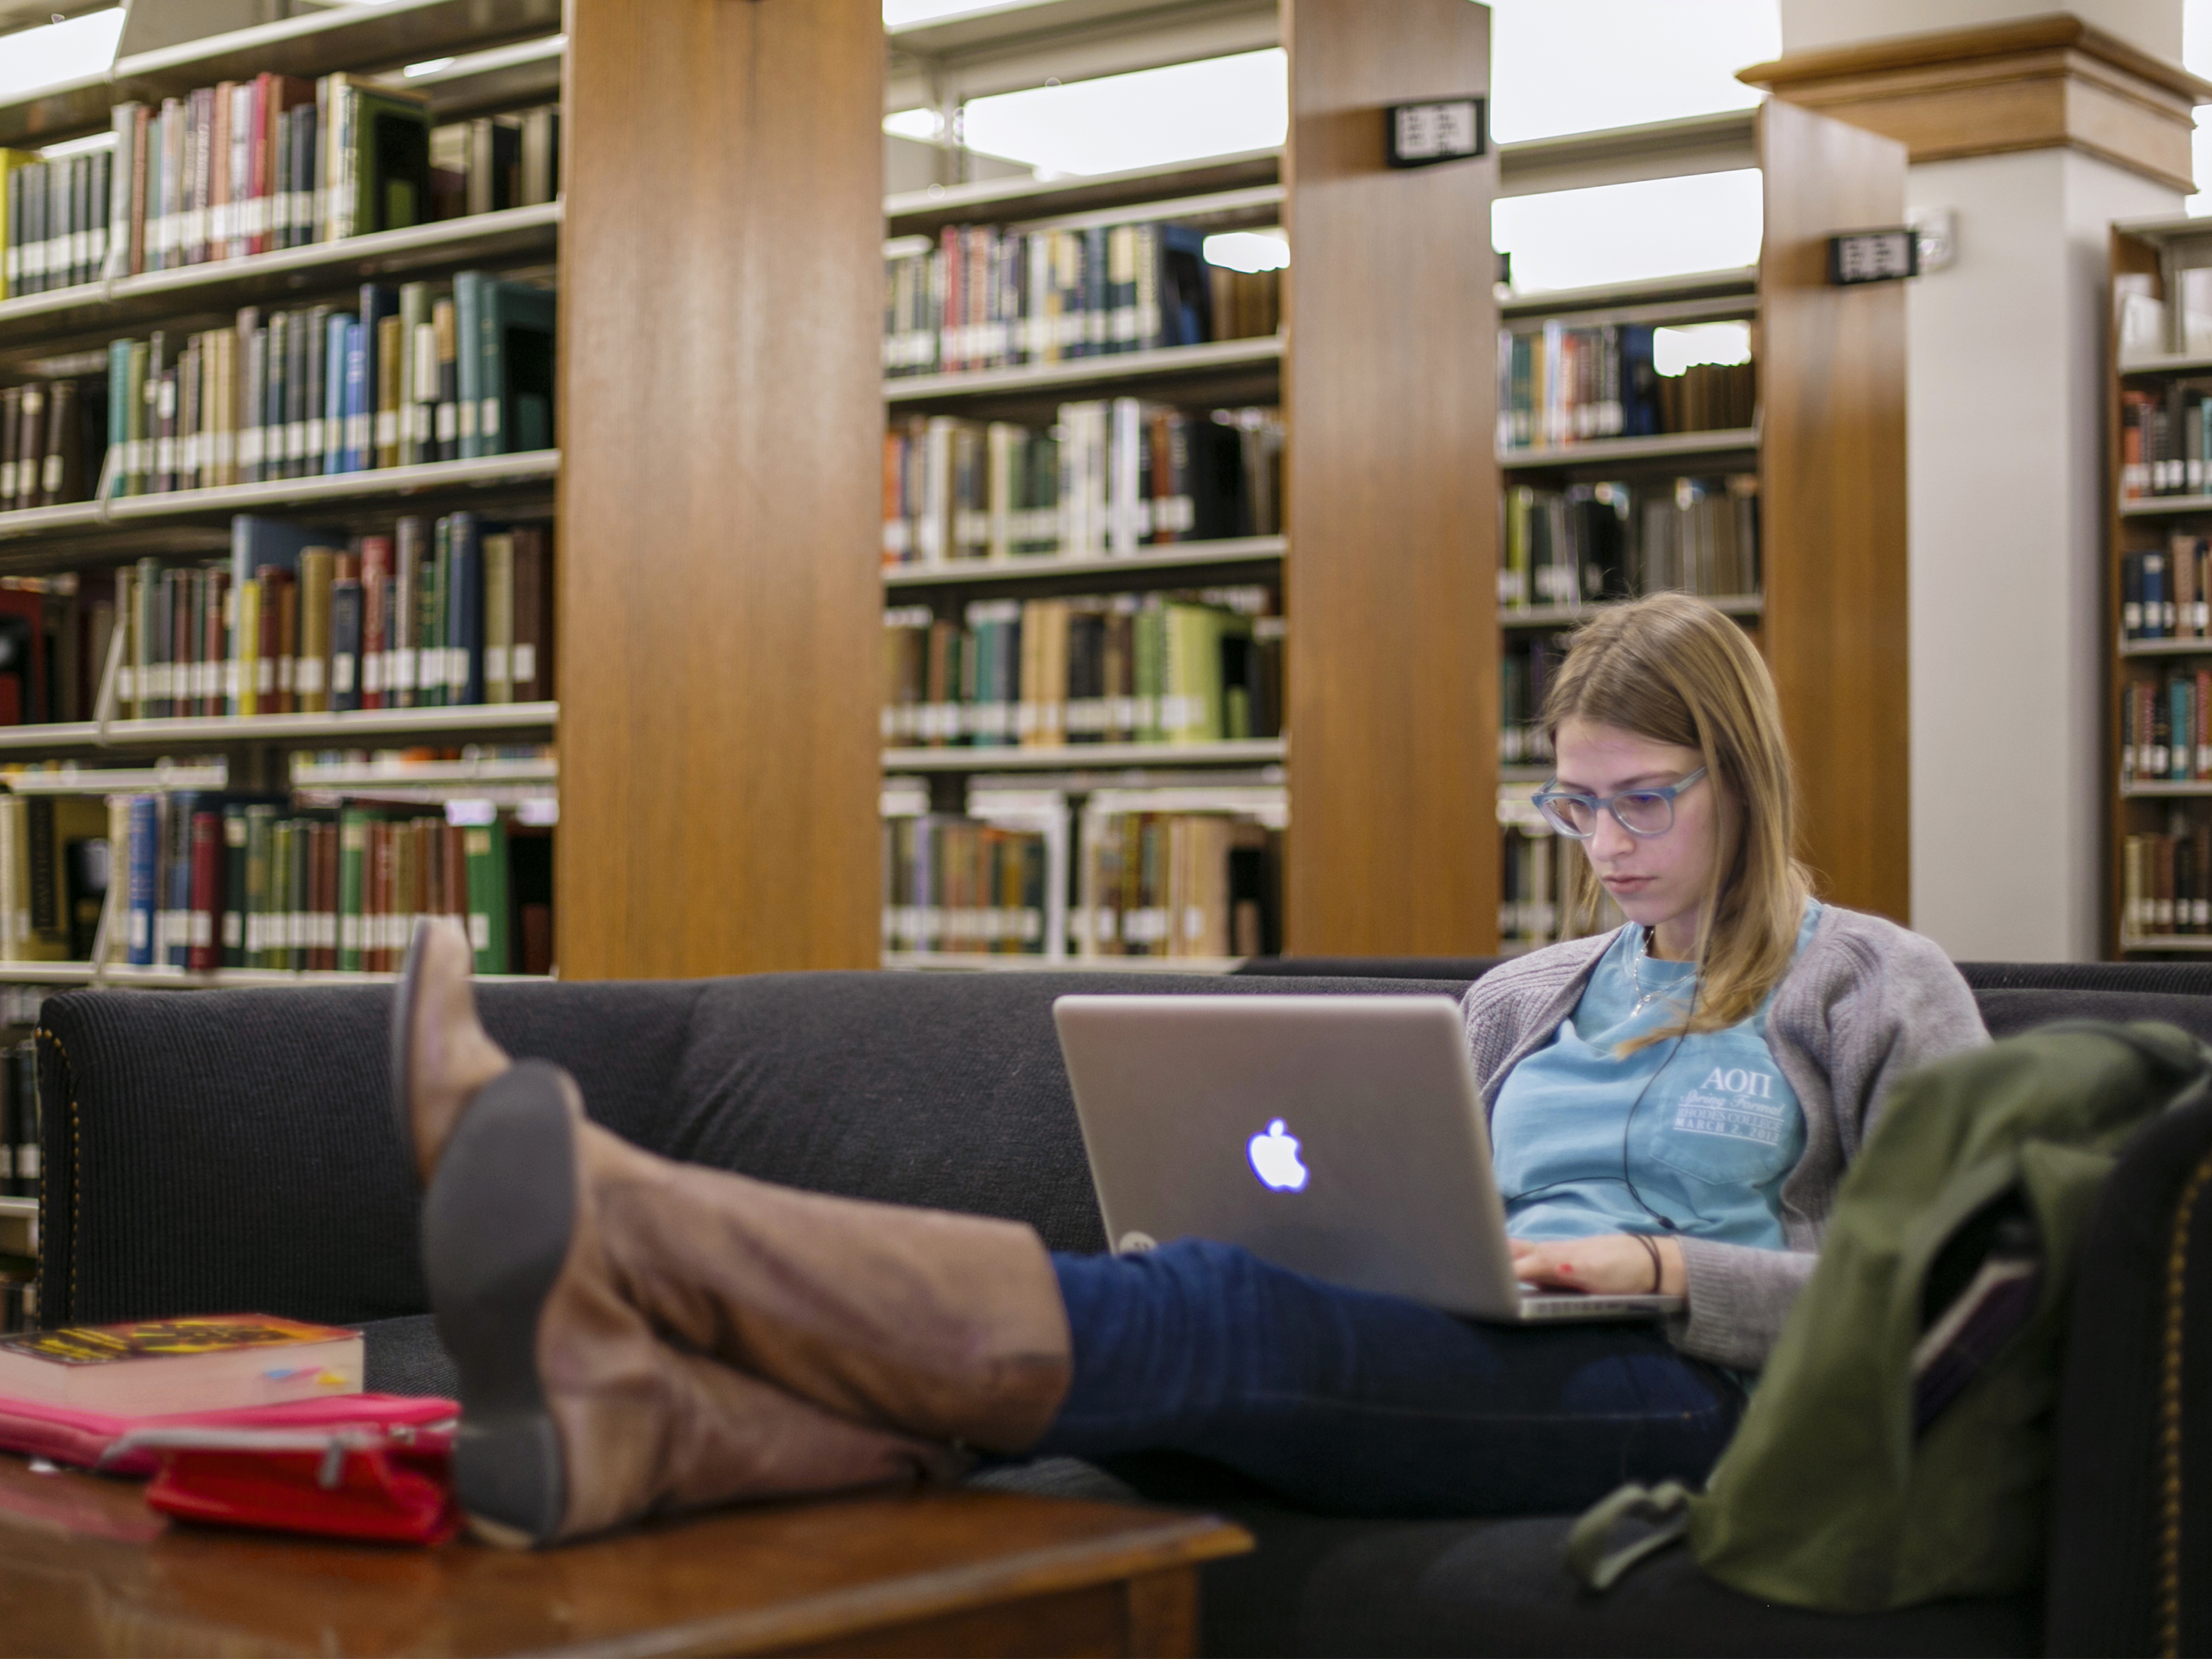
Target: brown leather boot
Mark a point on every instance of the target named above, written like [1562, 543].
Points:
[440, 1052]
[575, 1417]
[946, 1326]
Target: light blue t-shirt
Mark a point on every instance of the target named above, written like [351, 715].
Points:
[1703, 1128]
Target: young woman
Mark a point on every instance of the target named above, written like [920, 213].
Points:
[1672, 1105]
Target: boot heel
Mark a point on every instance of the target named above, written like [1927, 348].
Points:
[496, 1225]
[507, 1477]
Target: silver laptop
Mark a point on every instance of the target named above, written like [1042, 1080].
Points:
[1342, 1136]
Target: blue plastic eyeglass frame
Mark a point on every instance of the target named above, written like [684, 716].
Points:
[1597, 803]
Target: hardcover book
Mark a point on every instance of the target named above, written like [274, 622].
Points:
[221, 1362]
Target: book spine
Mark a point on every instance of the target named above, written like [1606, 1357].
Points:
[204, 949]
[468, 306]
[140, 863]
[310, 677]
[345, 643]
[499, 618]
[353, 855]
[465, 632]
[484, 852]
[360, 454]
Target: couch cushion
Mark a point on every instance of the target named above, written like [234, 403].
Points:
[2007, 1012]
[1321, 1586]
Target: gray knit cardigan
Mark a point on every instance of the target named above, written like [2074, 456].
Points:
[1865, 1002]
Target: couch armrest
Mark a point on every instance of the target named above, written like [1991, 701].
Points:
[2131, 1566]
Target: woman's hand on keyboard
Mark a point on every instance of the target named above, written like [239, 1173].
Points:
[1613, 1264]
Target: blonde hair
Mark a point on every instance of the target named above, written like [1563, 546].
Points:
[1674, 670]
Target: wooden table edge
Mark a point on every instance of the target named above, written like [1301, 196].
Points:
[1178, 1541]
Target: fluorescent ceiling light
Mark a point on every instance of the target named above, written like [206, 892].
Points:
[1623, 232]
[428, 66]
[1153, 117]
[60, 52]
[924, 124]
[1560, 66]
[898, 14]
[1249, 250]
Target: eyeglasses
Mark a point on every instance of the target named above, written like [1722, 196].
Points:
[1643, 812]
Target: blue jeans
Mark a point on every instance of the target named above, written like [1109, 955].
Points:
[1358, 1403]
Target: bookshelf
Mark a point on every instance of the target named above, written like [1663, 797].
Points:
[499, 49]
[1827, 449]
[2155, 812]
[1377, 646]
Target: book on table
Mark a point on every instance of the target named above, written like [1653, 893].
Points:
[166, 1367]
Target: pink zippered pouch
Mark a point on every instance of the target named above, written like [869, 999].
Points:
[83, 1438]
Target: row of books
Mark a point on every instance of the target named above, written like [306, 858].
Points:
[986, 296]
[53, 221]
[1593, 541]
[2166, 728]
[1167, 668]
[249, 167]
[1536, 891]
[52, 437]
[437, 613]
[217, 880]
[961, 885]
[2165, 593]
[1561, 384]
[19, 1300]
[1108, 477]
[20, 1173]
[410, 376]
[53, 876]
[1525, 667]
[2165, 881]
[2165, 440]
[1176, 884]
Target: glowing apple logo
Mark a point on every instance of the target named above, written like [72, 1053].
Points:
[1274, 1157]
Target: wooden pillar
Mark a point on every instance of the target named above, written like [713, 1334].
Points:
[1390, 387]
[1833, 482]
[720, 300]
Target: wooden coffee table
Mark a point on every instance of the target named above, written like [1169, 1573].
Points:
[86, 1568]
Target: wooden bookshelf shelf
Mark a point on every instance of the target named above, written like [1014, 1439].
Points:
[2166, 648]
[1565, 615]
[184, 978]
[2160, 506]
[95, 529]
[2179, 788]
[1248, 751]
[121, 780]
[1612, 452]
[2167, 943]
[369, 38]
[2166, 362]
[1025, 201]
[296, 731]
[50, 322]
[326, 775]
[1099, 374]
[1251, 554]
[1701, 296]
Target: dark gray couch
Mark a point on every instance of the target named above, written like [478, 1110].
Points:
[232, 1151]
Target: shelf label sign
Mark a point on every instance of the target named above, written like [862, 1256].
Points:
[1872, 256]
[1448, 130]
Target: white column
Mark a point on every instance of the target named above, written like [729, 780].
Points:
[2006, 412]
